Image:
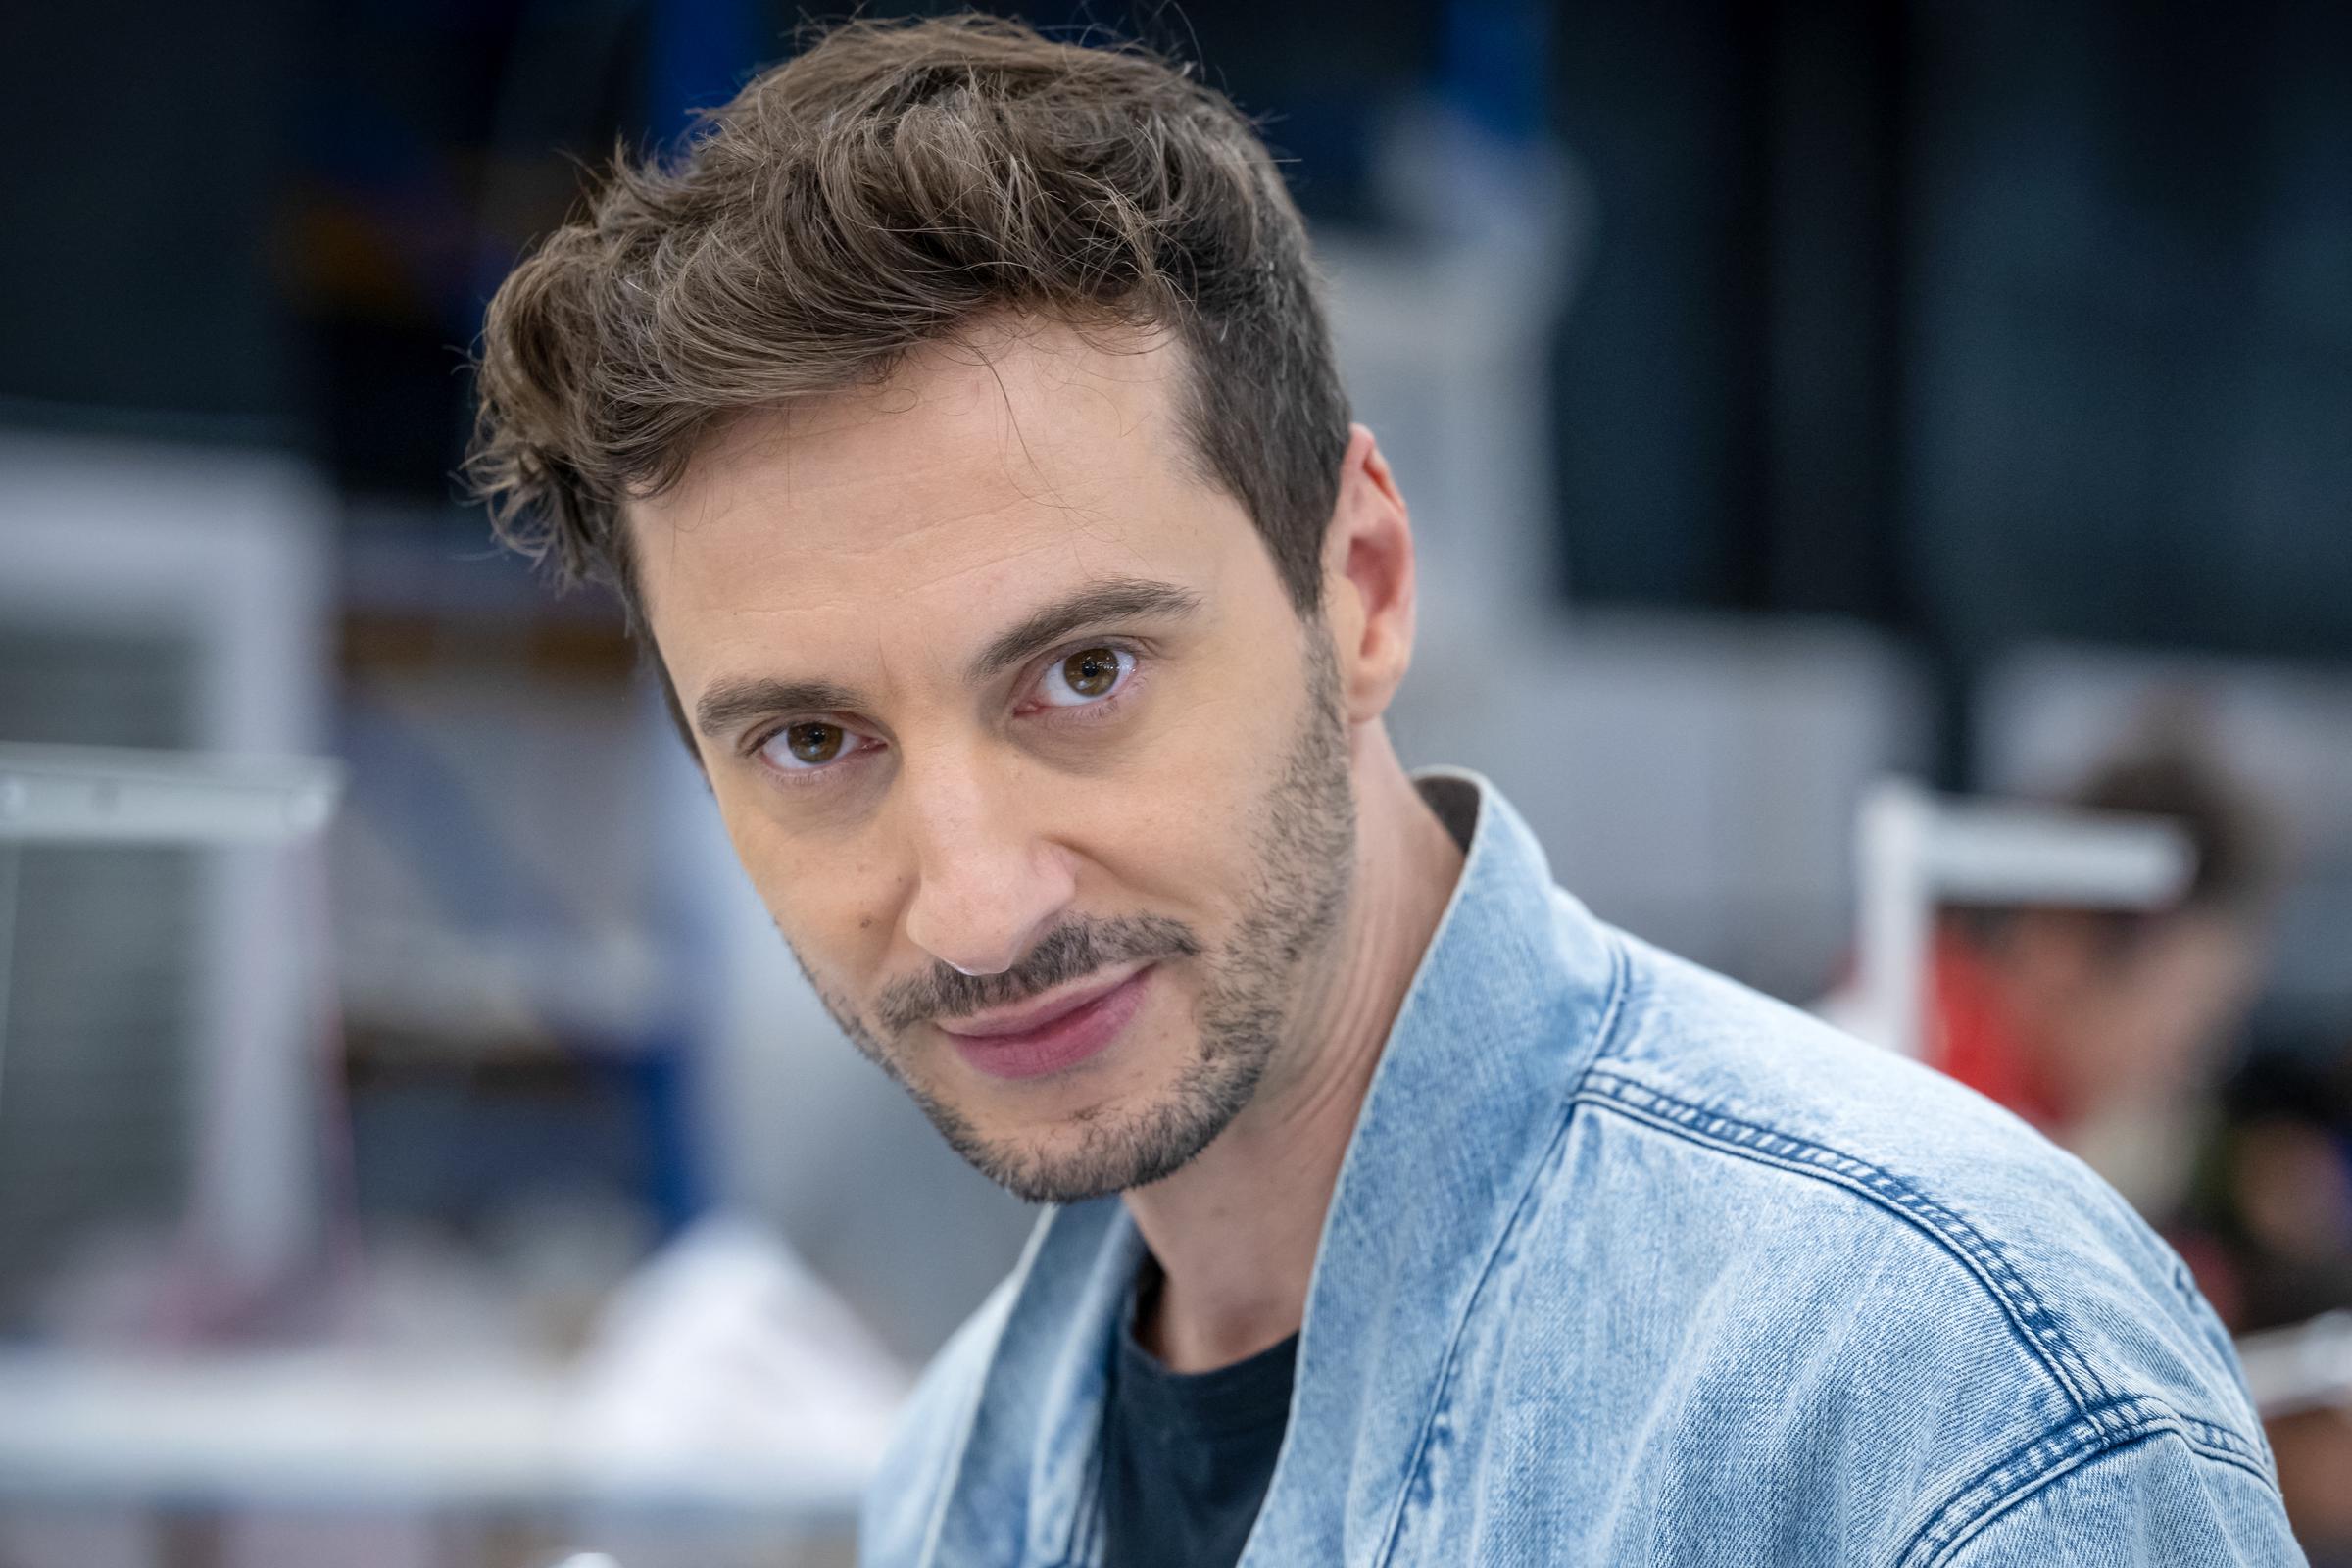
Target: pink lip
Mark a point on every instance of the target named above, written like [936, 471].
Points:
[1060, 1034]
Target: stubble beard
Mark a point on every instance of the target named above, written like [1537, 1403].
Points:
[1303, 834]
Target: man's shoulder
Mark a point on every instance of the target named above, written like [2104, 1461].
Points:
[1825, 1172]
[1701, 1058]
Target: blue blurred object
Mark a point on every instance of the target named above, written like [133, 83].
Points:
[1493, 65]
[698, 53]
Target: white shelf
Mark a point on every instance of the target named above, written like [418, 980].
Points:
[110, 795]
[335, 1430]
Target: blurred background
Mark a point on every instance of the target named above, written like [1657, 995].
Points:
[1791, 398]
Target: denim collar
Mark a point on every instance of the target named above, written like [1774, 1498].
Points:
[1466, 1108]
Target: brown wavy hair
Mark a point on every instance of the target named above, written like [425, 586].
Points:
[892, 186]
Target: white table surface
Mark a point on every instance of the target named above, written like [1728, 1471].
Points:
[336, 1429]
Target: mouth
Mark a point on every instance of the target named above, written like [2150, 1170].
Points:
[1053, 1034]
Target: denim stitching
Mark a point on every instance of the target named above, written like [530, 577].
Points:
[1604, 1029]
[2107, 1425]
[1993, 1491]
[2001, 1485]
[2032, 1325]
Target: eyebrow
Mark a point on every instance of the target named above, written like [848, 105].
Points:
[731, 703]
[1120, 598]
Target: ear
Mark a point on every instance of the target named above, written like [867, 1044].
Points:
[1368, 579]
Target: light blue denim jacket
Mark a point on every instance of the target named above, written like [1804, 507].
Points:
[1627, 1264]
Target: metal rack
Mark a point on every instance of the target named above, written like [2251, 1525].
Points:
[95, 795]
[1915, 852]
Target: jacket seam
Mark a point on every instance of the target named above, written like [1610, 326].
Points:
[1978, 1502]
[2031, 1324]
[1416, 1458]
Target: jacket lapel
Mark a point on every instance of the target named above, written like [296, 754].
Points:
[1470, 1098]
[1024, 1488]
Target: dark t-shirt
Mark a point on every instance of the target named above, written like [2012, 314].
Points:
[1187, 1456]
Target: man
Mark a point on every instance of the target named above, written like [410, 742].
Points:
[958, 418]
[2102, 1028]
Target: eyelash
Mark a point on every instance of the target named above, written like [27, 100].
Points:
[1084, 713]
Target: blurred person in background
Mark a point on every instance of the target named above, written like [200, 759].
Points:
[957, 416]
[2268, 1229]
[2268, 1224]
[2106, 1029]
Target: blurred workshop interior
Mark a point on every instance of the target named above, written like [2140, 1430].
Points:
[1863, 457]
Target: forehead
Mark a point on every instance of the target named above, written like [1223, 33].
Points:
[973, 483]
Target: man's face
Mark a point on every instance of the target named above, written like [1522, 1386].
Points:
[2141, 1024]
[1005, 711]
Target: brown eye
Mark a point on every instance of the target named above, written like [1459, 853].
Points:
[814, 744]
[1091, 673]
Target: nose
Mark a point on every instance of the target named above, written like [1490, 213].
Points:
[988, 882]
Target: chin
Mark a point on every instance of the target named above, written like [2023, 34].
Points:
[1111, 1147]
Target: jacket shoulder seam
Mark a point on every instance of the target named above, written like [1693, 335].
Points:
[2031, 1322]
[2123, 1425]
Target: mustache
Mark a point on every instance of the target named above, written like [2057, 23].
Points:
[1069, 951]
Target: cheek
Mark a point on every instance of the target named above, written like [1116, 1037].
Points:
[2151, 1035]
[2187, 997]
[1178, 832]
[826, 898]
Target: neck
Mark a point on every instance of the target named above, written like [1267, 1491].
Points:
[1235, 1230]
